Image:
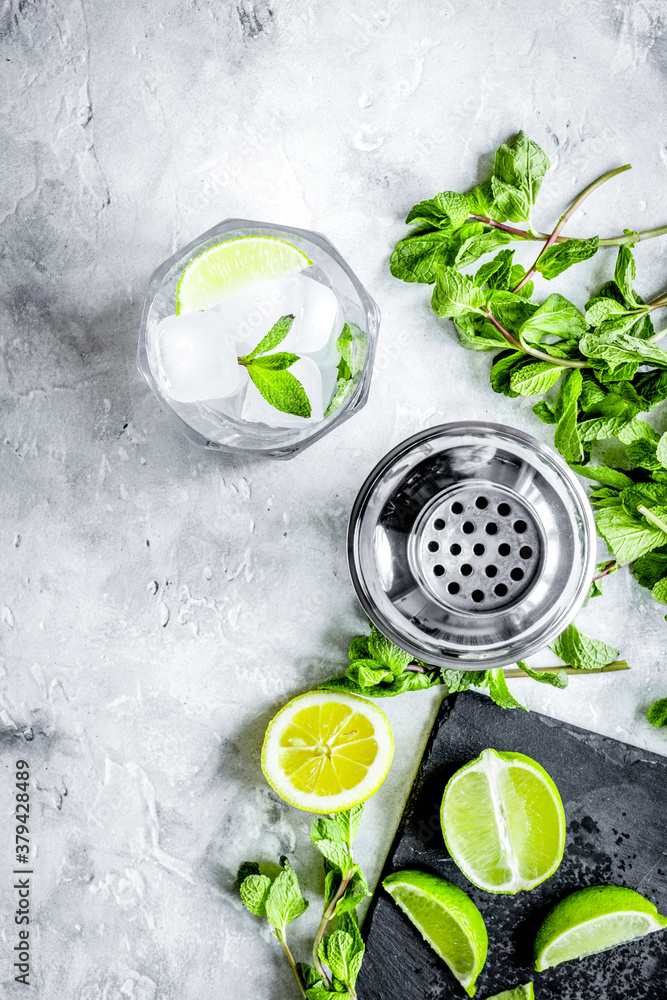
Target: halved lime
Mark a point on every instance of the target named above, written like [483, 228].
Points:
[594, 920]
[503, 822]
[327, 750]
[229, 267]
[446, 918]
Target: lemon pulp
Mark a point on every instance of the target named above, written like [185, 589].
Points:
[327, 749]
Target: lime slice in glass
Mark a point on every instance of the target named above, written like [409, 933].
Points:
[446, 918]
[594, 920]
[503, 822]
[229, 267]
[327, 750]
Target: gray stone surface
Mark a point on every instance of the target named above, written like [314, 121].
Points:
[158, 603]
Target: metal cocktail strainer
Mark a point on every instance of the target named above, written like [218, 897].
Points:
[471, 545]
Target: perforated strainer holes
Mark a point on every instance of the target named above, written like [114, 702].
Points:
[520, 527]
[457, 508]
[438, 570]
[466, 570]
[500, 590]
[504, 549]
[453, 588]
[491, 571]
[438, 524]
[467, 527]
[525, 552]
[491, 528]
[477, 596]
[504, 509]
[478, 549]
[455, 549]
[433, 546]
[517, 574]
[481, 503]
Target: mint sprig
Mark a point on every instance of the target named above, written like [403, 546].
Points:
[337, 953]
[380, 669]
[269, 372]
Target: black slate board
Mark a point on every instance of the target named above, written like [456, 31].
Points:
[615, 799]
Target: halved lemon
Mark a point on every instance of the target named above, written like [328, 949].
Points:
[229, 267]
[326, 751]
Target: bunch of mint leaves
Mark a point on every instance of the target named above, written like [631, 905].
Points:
[601, 367]
[282, 389]
[337, 953]
[379, 669]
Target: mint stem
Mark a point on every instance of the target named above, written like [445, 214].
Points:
[329, 911]
[611, 568]
[611, 241]
[608, 667]
[650, 516]
[533, 352]
[290, 958]
[564, 218]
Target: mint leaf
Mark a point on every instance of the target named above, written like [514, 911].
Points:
[387, 653]
[642, 453]
[334, 850]
[499, 691]
[624, 275]
[351, 345]
[650, 568]
[455, 294]
[566, 435]
[276, 334]
[657, 713]
[504, 366]
[275, 362]
[626, 537]
[544, 412]
[598, 429]
[581, 651]
[418, 256]
[254, 890]
[348, 822]
[636, 430]
[518, 172]
[560, 256]
[460, 680]
[535, 377]
[558, 680]
[476, 246]
[281, 389]
[659, 592]
[497, 273]
[555, 315]
[284, 902]
[359, 648]
[476, 333]
[367, 673]
[601, 474]
[510, 310]
[602, 308]
[618, 348]
[448, 208]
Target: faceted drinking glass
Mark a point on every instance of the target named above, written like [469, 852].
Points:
[218, 424]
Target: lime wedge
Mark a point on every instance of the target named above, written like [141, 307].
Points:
[446, 918]
[327, 750]
[525, 992]
[594, 920]
[227, 268]
[503, 822]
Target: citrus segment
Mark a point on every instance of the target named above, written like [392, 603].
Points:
[228, 267]
[503, 822]
[326, 751]
[447, 920]
[594, 920]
